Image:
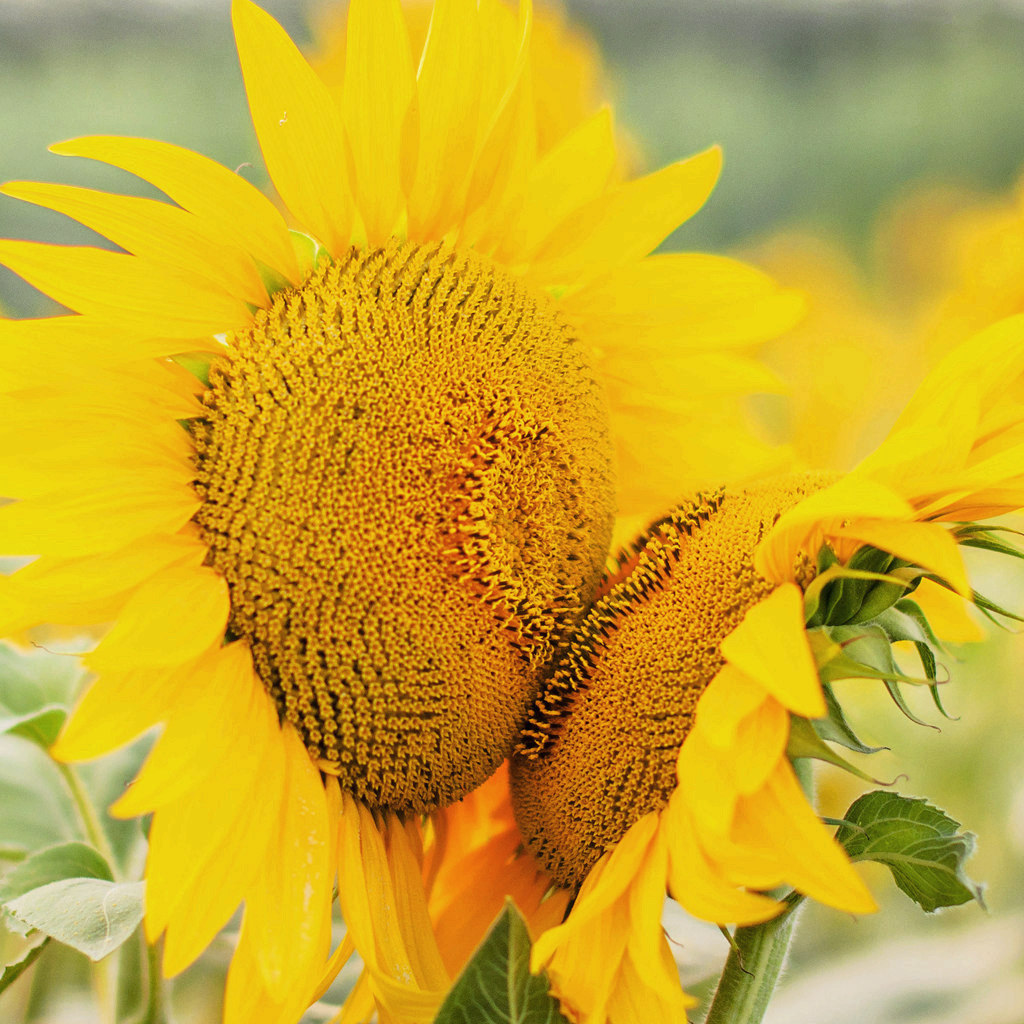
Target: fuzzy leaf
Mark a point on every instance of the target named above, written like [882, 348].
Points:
[40, 726]
[496, 986]
[30, 951]
[66, 860]
[90, 915]
[917, 842]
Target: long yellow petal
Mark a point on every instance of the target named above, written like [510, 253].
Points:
[114, 710]
[228, 205]
[379, 88]
[70, 524]
[171, 619]
[699, 888]
[779, 820]
[129, 292]
[571, 175]
[298, 126]
[288, 905]
[770, 646]
[448, 117]
[625, 224]
[929, 545]
[164, 235]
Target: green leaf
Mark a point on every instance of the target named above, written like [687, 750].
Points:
[12, 970]
[90, 915]
[35, 809]
[66, 860]
[496, 986]
[31, 680]
[41, 726]
[917, 842]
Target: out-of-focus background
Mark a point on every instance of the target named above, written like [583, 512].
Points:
[872, 149]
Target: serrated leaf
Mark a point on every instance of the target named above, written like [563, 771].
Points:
[90, 915]
[496, 986]
[41, 726]
[66, 860]
[920, 845]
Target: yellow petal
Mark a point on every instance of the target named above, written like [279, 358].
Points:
[288, 905]
[162, 234]
[726, 701]
[127, 291]
[228, 205]
[947, 613]
[805, 526]
[929, 545]
[448, 117]
[780, 821]
[379, 88]
[172, 618]
[298, 126]
[73, 523]
[624, 225]
[572, 174]
[699, 888]
[760, 744]
[114, 710]
[770, 646]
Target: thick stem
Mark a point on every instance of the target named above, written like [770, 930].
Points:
[156, 1001]
[752, 970]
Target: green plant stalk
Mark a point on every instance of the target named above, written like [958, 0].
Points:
[156, 1000]
[753, 969]
[94, 830]
[103, 973]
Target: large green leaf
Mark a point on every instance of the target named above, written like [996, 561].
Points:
[66, 860]
[35, 809]
[496, 986]
[90, 915]
[917, 842]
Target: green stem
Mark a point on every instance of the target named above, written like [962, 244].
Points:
[753, 969]
[87, 814]
[156, 1001]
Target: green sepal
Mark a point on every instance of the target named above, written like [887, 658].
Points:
[496, 986]
[872, 581]
[311, 254]
[804, 741]
[918, 843]
[834, 728]
[197, 363]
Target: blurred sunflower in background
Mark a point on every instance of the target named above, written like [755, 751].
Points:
[343, 477]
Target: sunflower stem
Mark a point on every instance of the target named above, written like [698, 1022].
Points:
[90, 819]
[753, 970]
[156, 1001]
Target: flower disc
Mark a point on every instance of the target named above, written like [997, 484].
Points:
[406, 483]
[601, 746]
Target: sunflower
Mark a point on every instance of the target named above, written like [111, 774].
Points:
[660, 753]
[341, 489]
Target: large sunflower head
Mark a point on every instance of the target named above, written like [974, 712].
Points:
[341, 477]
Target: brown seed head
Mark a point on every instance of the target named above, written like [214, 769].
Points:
[405, 474]
[599, 750]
